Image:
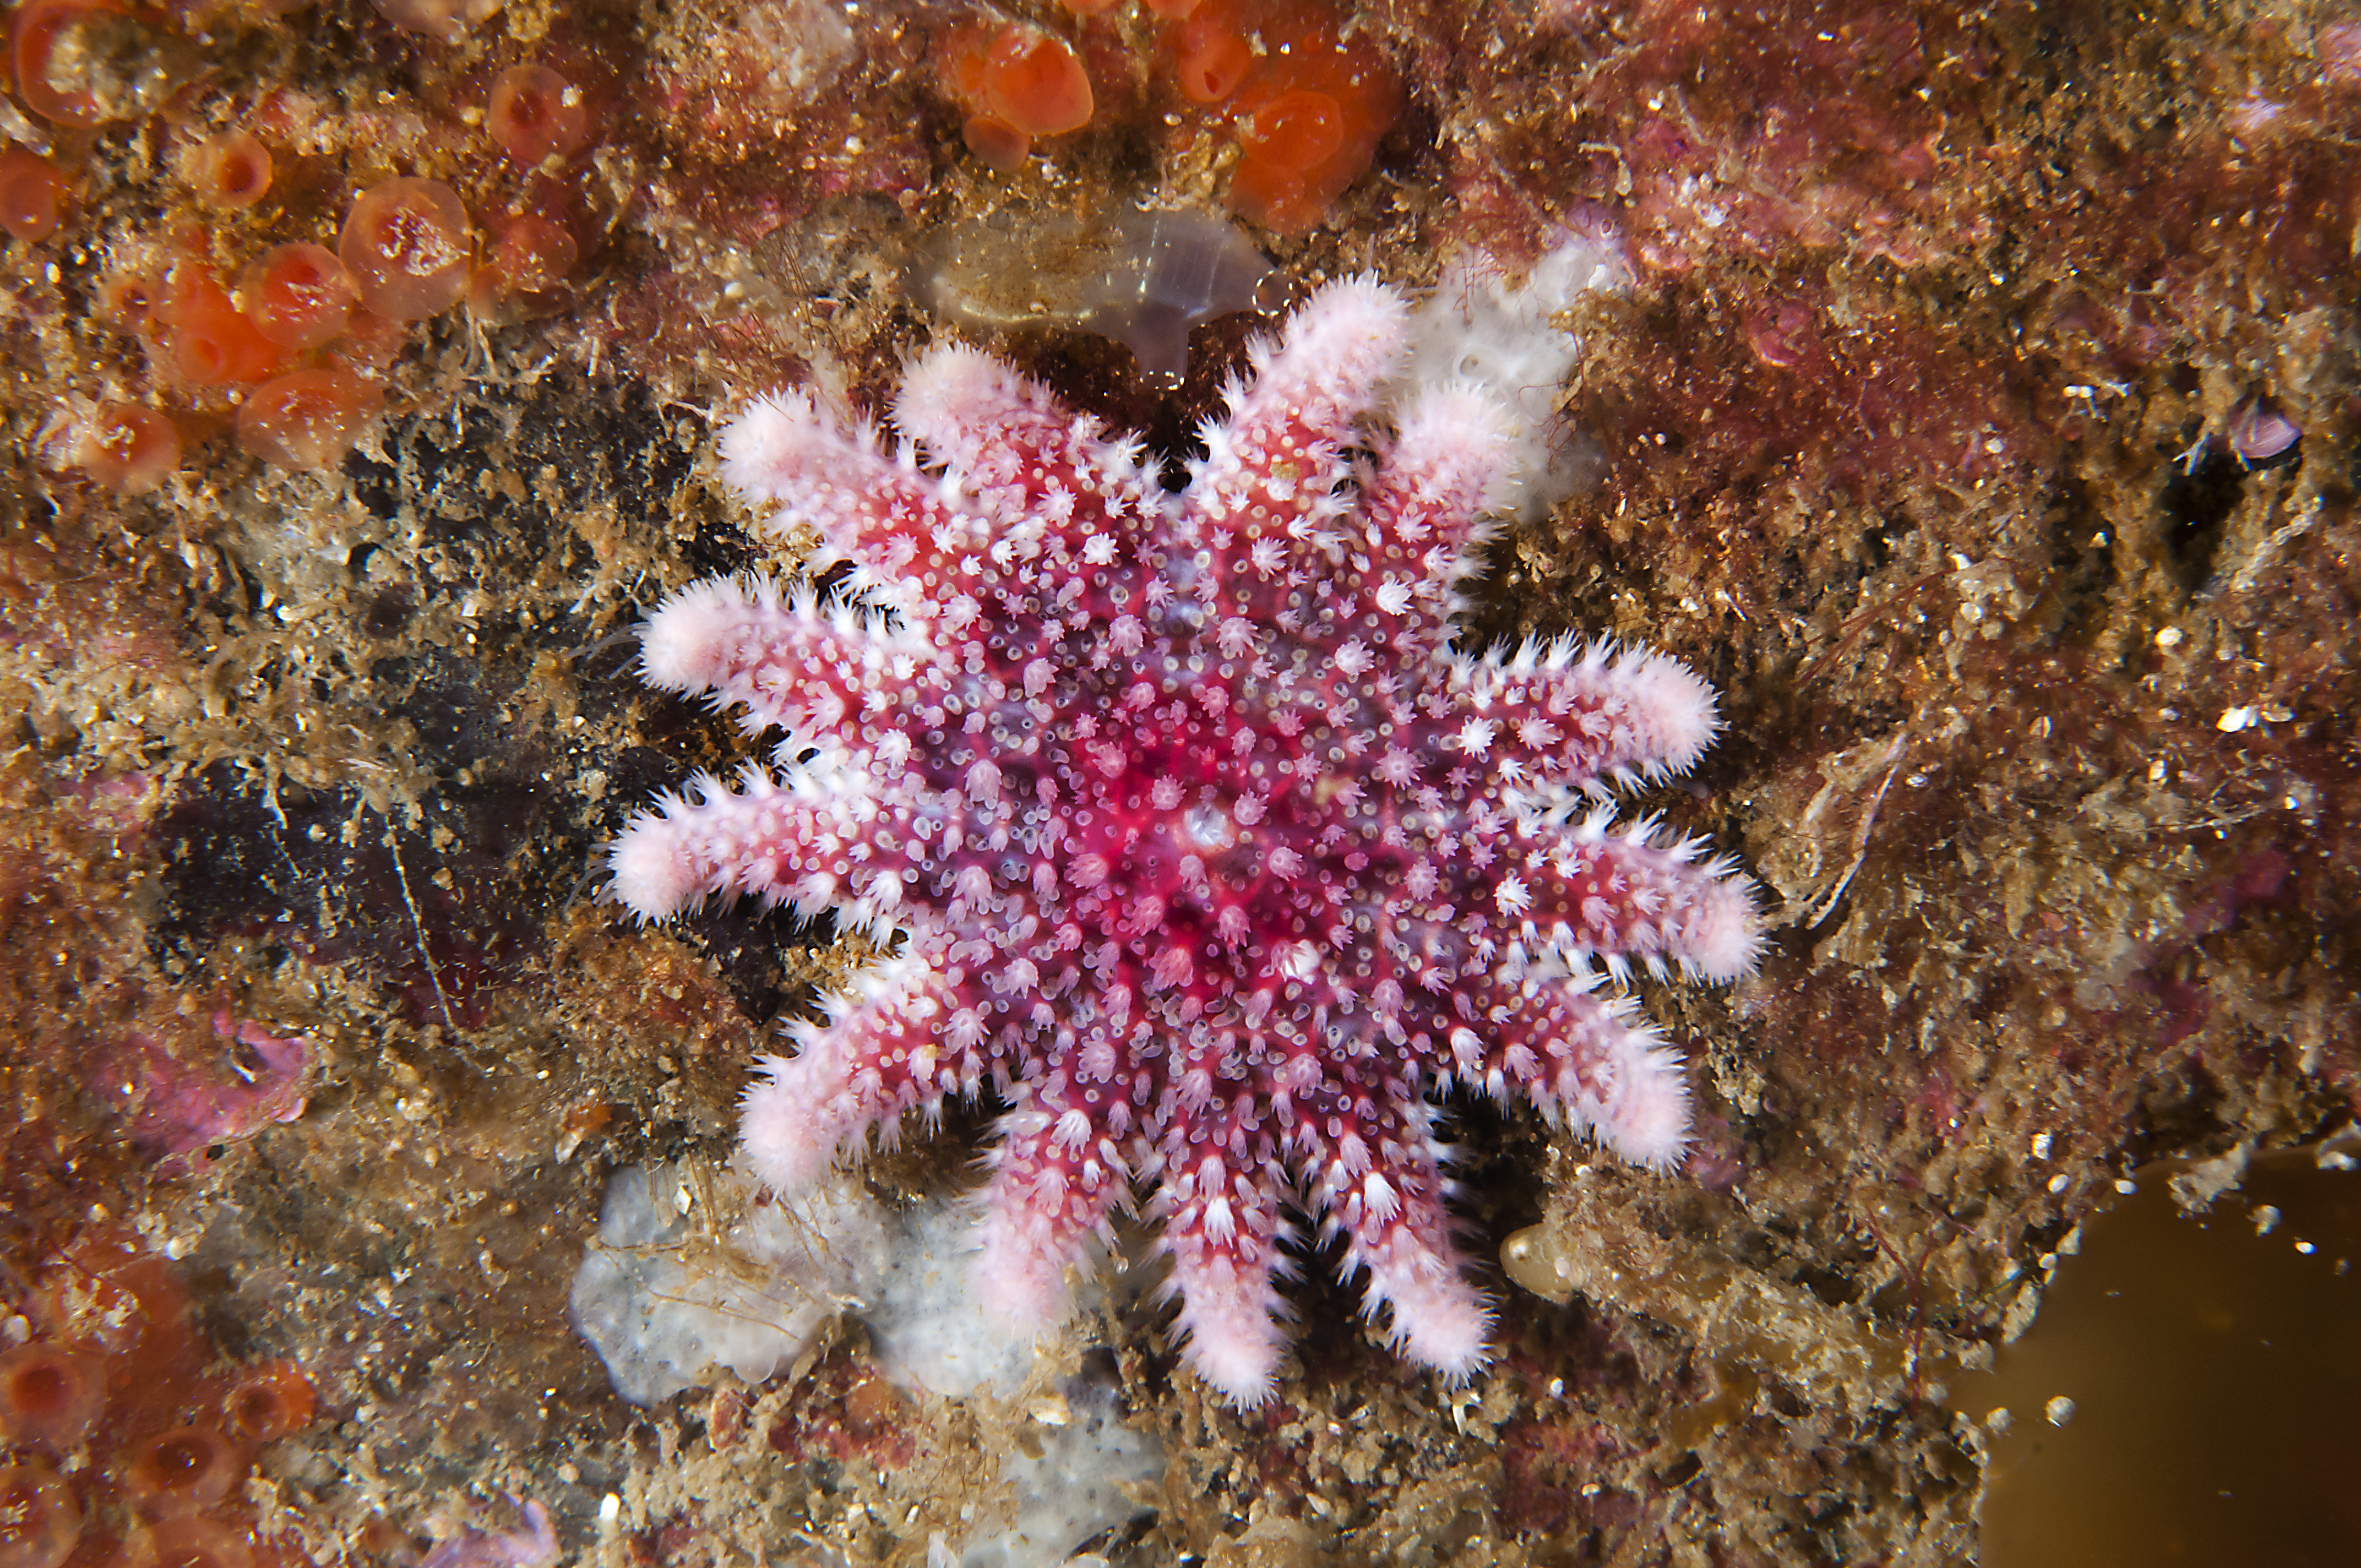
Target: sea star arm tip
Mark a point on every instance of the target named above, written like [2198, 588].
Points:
[962, 404]
[1055, 1177]
[875, 1058]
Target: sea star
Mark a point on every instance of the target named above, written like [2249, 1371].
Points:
[1204, 847]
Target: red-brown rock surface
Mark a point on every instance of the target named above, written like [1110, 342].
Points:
[1927, 431]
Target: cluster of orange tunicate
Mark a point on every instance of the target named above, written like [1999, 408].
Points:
[122, 1444]
[295, 336]
[542, 123]
[1306, 103]
[1016, 81]
[282, 329]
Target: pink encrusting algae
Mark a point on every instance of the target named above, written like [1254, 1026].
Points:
[1204, 847]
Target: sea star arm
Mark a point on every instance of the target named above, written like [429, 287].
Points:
[1066, 506]
[879, 1054]
[982, 420]
[1619, 896]
[1005, 438]
[1422, 516]
[1562, 712]
[1056, 1172]
[1269, 481]
[1375, 1167]
[907, 537]
[1219, 1202]
[780, 658]
[812, 835]
[1555, 1038]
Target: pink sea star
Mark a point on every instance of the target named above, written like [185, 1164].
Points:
[1204, 845]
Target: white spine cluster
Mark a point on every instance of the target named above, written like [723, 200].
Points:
[1505, 336]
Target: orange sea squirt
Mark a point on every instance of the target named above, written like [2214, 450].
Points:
[211, 341]
[49, 1395]
[183, 1471]
[32, 194]
[268, 1403]
[299, 295]
[406, 244]
[307, 419]
[32, 36]
[1296, 131]
[43, 1521]
[995, 143]
[536, 114]
[231, 171]
[129, 448]
[534, 253]
[1034, 81]
[1213, 61]
[530, 261]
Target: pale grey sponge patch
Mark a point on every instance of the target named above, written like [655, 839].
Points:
[1074, 1491]
[927, 1327]
[667, 1303]
[669, 1296]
